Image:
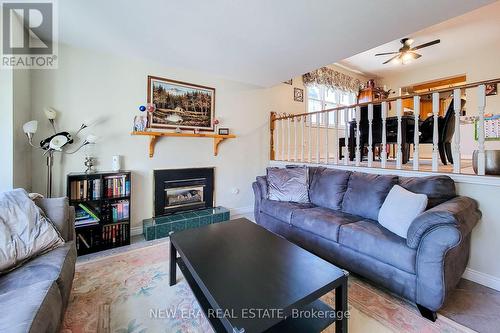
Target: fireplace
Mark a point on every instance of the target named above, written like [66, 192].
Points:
[178, 190]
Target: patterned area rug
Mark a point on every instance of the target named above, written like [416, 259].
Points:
[128, 292]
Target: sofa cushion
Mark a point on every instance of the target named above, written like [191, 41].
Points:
[57, 265]
[282, 210]
[366, 193]
[289, 184]
[33, 308]
[321, 221]
[370, 238]
[328, 187]
[438, 189]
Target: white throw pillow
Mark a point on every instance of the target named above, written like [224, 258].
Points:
[399, 210]
[25, 232]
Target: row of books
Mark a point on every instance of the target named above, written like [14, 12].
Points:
[85, 189]
[120, 210]
[84, 215]
[117, 186]
[115, 234]
[111, 235]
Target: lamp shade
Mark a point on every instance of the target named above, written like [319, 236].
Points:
[57, 142]
[50, 113]
[91, 138]
[30, 127]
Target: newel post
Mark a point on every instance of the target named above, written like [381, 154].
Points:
[272, 120]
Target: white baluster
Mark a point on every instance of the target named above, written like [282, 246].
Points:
[384, 135]
[295, 132]
[416, 135]
[370, 135]
[457, 107]
[399, 153]
[326, 136]
[283, 144]
[346, 137]
[318, 134]
[335, 137]
[358, 148]
[302, 136]
[309, 141]
[435, 131]
[481, 105]
[289, 132]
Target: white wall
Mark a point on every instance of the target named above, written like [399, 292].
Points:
[89, 84]
[6, 130]
[22, 114]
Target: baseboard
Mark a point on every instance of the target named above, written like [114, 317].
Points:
[135, 231]
[241, 210]
[482, 278]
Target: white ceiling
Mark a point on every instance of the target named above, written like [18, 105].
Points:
[261, 42]
[464, 34]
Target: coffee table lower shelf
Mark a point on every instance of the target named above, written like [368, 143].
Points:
[291, 324]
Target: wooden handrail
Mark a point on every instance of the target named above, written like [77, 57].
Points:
[392, 99]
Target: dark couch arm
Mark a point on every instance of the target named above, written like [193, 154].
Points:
[461, 212]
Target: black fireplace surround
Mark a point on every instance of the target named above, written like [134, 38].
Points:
[178, 190]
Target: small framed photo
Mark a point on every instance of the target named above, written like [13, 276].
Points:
[491, 89]
[298, 94]
[223, 131]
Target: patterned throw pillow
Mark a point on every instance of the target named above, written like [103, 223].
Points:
[290, 184]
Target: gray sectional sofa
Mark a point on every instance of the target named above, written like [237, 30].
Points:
[339, 225]
[34, 296]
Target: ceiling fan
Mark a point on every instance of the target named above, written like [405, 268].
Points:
[407, 53]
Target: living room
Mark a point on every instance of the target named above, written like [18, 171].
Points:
[138, 137]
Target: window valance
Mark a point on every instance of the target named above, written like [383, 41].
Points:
[332, 79]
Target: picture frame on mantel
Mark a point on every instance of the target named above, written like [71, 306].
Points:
[180, 105]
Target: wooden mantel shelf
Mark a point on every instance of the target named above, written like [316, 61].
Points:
[154, 136]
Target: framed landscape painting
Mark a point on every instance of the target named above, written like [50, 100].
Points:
[180, 105]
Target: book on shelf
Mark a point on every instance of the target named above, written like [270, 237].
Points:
[85, 216]
[115, 233]
[117, 186]
[85, 189]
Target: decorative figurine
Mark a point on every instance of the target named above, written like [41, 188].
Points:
[150, 107]
[142, 108]
[89, 163]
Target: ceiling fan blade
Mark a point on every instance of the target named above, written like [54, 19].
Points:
[426, 45]
[396, 56]
[385, 53]
[416, 55]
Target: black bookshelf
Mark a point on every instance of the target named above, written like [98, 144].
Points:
[105, 196]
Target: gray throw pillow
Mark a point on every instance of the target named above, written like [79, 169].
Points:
[291, 184]
[399, 210]
[25, 232]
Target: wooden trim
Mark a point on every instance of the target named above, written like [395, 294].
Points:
[272, 152]
[439, 83]
[153, 138]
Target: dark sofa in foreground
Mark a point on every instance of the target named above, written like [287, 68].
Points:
[340, 226]
[34, 296]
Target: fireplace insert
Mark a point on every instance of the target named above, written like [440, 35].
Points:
[183, 189]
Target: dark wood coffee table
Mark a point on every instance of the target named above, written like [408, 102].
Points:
[248, 279]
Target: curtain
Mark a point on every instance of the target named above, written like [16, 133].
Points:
[332, 80]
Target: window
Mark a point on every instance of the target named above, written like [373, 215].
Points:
[321, 98]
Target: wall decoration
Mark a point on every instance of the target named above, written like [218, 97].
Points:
[288, 82]
[298, 94]
[491, 89]
[180, 105]
[223, 131]
[332, 79]
[140, 123]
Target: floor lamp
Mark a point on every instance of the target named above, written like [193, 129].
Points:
[56, 143]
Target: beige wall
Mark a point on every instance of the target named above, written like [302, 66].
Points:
[89, 85]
